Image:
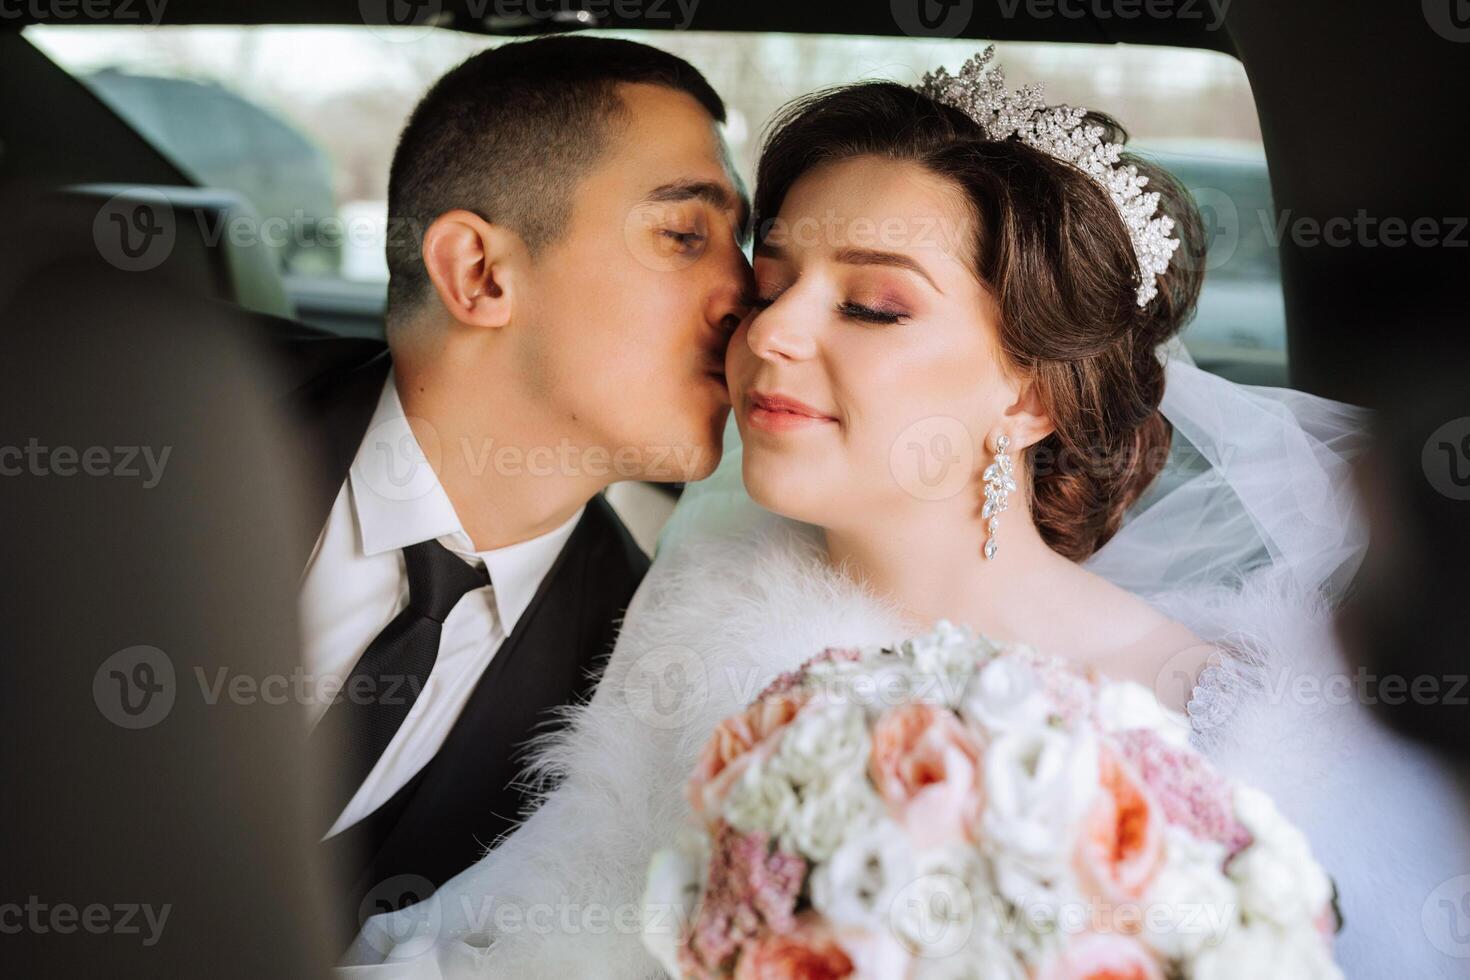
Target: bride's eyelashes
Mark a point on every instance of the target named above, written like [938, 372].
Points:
[870, 314]
[860, 312]
[764, 297]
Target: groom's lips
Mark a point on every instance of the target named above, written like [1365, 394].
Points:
[781, 413]
[717, 375]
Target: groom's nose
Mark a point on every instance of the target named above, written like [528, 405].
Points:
[729, 297]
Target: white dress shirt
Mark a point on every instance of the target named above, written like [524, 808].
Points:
[355, 584]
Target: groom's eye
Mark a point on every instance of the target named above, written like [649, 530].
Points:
[683, 241]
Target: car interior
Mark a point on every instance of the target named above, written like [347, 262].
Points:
[1277, 308]
[1331, 111]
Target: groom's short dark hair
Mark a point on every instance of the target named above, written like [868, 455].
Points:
[508, 134]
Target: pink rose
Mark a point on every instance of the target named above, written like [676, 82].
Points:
[926, 766]
[1122, 843]
[725, 755]
[808, 952]
[1098, 957]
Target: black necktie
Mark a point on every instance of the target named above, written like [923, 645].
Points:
[377, 696]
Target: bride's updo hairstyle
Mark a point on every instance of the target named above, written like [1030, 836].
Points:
[1050, 247]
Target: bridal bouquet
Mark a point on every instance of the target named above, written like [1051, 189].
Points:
[951, 808]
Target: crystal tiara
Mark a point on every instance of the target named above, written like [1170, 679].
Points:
[979, 91]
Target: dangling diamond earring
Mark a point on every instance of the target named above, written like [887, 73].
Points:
[998, 485]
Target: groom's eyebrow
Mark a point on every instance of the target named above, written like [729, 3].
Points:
[713, 193]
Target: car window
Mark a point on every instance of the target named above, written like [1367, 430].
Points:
[303, 122]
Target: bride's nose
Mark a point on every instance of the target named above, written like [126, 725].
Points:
[779, 333]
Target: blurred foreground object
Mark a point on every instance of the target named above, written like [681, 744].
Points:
[1407, 625]
[154, 822]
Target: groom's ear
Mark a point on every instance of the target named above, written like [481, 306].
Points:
[474, 266]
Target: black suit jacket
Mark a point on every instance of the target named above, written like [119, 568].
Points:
[468, 796]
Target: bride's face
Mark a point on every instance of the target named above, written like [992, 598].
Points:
[868, 377]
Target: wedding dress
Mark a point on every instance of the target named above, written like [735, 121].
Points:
[1248, 538]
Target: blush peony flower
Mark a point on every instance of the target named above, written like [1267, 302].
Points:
[926, 766]
[1094, 956]
[810, 951]
[1122, 844]
[1188, 790]
[733, 739]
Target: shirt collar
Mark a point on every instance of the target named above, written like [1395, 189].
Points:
[398, 501]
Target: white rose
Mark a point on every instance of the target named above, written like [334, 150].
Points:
[856, 886]
[823, 742]
[1281, 884]
[981, 959]
[937, 913]
[1046, 903]
[953, 921]
[1276, 875]
[1122, 705]
[671, 896]
[949, 655]
[1005, 695]
[1262, 951]
[882, 684]
[831, 810]
[1191, 903]
[1038, 786]
[762, 799]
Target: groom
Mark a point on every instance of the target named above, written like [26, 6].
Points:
[565, 271]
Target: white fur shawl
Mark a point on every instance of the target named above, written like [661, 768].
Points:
[717, 618]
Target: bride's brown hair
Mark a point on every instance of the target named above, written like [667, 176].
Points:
[1051, 248]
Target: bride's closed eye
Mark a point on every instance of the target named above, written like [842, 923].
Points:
[871, 314]
[764, 297]
[861, 312]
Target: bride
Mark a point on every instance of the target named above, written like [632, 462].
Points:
[958, 397]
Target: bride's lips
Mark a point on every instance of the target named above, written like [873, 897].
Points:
[780, 413]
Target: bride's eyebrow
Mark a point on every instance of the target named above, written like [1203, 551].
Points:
[897, 260]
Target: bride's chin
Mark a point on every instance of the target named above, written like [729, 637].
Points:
[780, 487]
